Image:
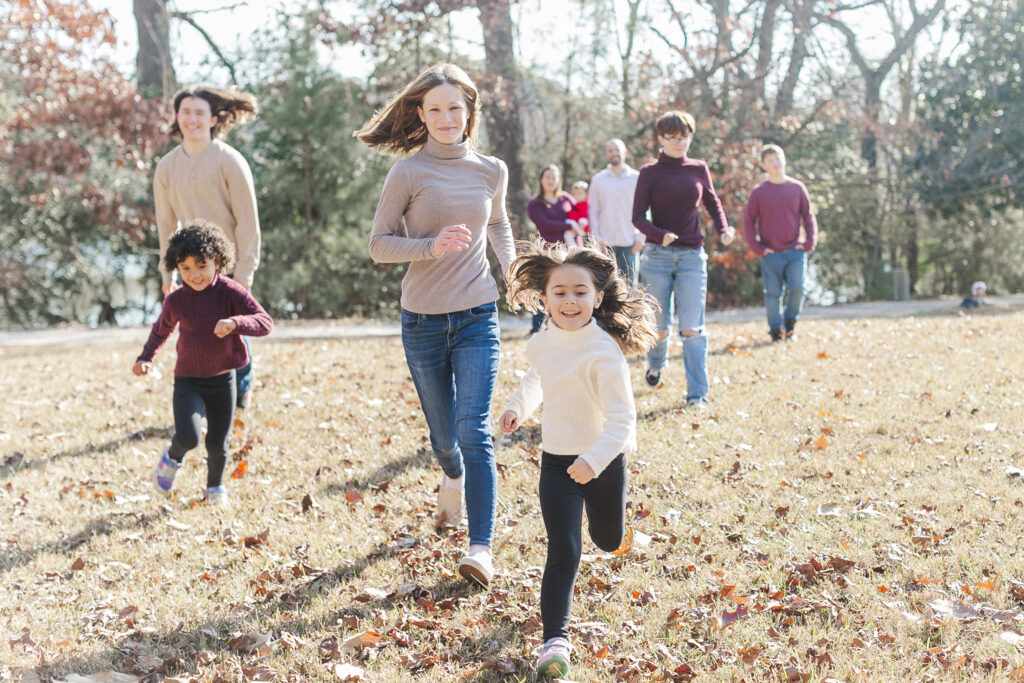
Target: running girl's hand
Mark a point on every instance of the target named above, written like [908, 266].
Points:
[580, 471]
[728, 236]
[509, 421]
[142, 367]
[452, 238]
[669, 238]
[224, 327]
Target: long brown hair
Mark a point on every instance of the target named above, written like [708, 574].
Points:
[397, 127]
[231, 107]
[540, 185]
[626, 313]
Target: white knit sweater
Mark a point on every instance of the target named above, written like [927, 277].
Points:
[583, 381]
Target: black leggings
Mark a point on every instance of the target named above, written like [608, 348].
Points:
[192, 396]
[561, 503]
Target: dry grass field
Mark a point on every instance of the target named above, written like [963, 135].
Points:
[848, 508]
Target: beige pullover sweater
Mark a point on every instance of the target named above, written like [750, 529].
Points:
[583, 381]
[215, 185]
[438, 186]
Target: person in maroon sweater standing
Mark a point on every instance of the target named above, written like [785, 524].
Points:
[771, 225]
[549, 211]
[673, 263]
[211, 313]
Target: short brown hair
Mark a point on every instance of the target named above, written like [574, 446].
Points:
[675, 122]
[398, 128]
[772, 149]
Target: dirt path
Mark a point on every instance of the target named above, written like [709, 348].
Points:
[509, 324]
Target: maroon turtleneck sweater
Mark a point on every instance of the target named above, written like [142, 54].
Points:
[201, 353]
[673, 189]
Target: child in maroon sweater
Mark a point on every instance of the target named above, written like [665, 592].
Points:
[211, 313]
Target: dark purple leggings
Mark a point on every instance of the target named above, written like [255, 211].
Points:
[194, 397]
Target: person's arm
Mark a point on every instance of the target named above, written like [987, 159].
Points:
[527, 398]
[712, 204]
[242, 192]
[616, 397]
[551, 229]
[810, 221]
[387, 244]
[499, 228]
[642, 198]
[159, 333]
[250, 319]
[751, 218]
[166, 220]
[594, 201]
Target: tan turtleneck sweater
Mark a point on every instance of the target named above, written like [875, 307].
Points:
[438, 186]
[214, 185]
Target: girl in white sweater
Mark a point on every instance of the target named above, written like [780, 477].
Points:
[578, 370]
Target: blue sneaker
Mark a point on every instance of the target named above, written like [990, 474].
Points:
[217, 495]
[166, 469]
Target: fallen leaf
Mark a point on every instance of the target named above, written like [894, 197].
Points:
[821, 443]
[252, 643]
[240, 469]
[958, 610]
[728, 618]
[78, 565]
[361, 640]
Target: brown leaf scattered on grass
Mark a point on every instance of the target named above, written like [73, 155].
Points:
[361, 640]
[252, 643]
[941, 609]
[353, 497]
[308, 503]
[728, 618]
[291, 641]
[240, 469]
[77, 565]
[257, 540]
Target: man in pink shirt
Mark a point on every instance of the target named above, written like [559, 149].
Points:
[771, 225]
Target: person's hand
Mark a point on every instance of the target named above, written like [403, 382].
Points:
[168, 287]
[224, 327]
[142, 367]
[768, 251]
[509, 421]
[669, 238]
[638, 244]
[452, 238]
[728, 236]
[580, 471]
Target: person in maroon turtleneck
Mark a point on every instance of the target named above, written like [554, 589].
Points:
[673, 263]
[211, 313]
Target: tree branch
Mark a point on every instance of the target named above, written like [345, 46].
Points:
[187, 18]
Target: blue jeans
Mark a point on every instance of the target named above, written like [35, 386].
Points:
[453, 360]
[244, 376]
[625, 259]
[679, 274]
[783, 268]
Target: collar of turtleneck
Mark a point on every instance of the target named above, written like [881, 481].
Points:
[666, 160]
[439, 150]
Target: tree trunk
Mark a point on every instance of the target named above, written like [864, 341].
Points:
[153, 60]
[797, 54]
[504, 127]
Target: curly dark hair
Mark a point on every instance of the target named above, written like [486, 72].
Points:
[203, 241]
[626, 313]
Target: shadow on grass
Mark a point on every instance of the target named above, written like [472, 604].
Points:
[101, 527]
[24, 465]
[420, 459]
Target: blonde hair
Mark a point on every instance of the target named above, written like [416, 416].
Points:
[626, 313]
[397, 127]
[579, 185]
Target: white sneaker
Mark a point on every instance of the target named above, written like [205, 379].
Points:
[449, 503]
[554, 659]
[477, 566]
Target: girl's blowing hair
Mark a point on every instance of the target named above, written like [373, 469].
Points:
[626, 313]
[540, 184]
[203, 241]
[232, 108]
[397, 128]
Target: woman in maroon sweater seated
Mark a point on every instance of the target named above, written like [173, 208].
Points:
[549, 211]
[211, 312]
[673, 263]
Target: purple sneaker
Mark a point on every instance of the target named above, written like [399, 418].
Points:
[166, 469]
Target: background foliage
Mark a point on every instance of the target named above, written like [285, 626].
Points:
[900, 118]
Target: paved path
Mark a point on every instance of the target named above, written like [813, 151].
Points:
[509, 324]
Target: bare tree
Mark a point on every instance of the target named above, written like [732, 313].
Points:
[153, 60]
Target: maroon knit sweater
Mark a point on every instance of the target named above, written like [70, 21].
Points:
[201, 353]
